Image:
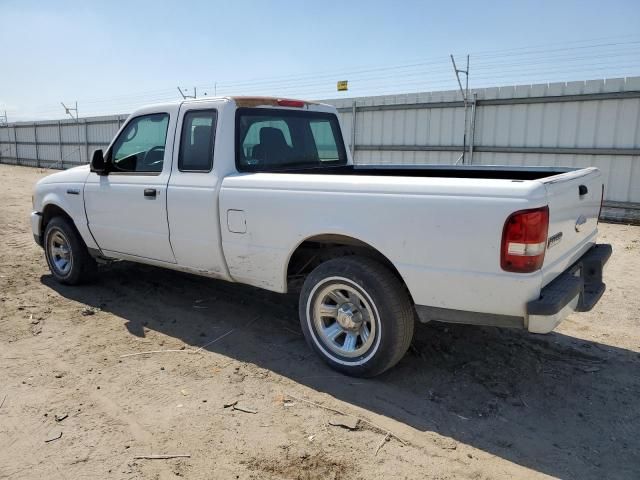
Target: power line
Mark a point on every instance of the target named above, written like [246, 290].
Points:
[523, 50]
[265, 81]
[437, 74]
[439, 60]
[270, 82]
[553, 62]
[434, 80]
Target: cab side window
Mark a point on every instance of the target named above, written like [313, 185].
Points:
[197, 141]
[140, 147]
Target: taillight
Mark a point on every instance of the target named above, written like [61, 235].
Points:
[286, 102]
[601, 203]
[524, 240]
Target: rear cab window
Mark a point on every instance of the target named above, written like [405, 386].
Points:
[197, 141]
[269, 139]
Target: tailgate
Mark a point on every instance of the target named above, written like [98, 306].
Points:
[574, 204]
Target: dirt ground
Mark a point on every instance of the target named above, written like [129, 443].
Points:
[466, 402]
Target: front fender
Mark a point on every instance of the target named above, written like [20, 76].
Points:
[70, 199]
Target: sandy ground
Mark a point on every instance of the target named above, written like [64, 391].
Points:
[466, 402]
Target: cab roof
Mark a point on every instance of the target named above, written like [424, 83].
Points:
[256, 101]
[242, 101]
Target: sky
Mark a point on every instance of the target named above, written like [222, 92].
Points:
[114, 56]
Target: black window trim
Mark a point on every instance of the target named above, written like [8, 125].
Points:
[109, 154]
[213, 139]
[343, 158]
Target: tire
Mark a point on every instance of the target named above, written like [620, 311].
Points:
[369, 318]
[63, 242]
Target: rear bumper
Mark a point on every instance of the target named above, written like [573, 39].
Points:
[576, 289]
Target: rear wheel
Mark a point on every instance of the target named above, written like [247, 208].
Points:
[67, 255]
[357, 315]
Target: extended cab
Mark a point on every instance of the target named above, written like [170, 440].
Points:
[262, 191]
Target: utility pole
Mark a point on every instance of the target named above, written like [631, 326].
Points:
[185, 96]
[68, 110]
[465, 98]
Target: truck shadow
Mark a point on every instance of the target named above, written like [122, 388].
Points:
[555, 404]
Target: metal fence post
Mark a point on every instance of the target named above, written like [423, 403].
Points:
[35, 137]
[60, 141]
[86, 140]
[353, 131]
[15, 144]
[473, 127]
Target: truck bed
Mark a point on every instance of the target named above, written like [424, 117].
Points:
[497, 172]
[430, 222]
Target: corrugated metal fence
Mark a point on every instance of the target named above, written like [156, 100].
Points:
[565, 124]
[56, 144]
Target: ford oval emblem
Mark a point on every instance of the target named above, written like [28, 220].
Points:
[580, 221]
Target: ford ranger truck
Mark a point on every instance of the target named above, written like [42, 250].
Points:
[262, 191]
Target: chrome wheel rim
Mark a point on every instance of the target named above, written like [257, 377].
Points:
[344, 320]
[60, 252]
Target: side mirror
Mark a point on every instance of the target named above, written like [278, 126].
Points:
[98, 165]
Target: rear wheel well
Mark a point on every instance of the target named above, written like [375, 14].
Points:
[316, 250]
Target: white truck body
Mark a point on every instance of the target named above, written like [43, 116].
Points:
[440, 228]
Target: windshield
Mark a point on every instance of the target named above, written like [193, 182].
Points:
[270, 139]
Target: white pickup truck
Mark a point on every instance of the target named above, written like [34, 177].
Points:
[262, 191]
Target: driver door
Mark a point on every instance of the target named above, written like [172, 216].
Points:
[127, 209]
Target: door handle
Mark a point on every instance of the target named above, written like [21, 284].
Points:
[150, 192]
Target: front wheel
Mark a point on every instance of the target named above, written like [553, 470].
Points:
[357, 315]
[66, 253]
